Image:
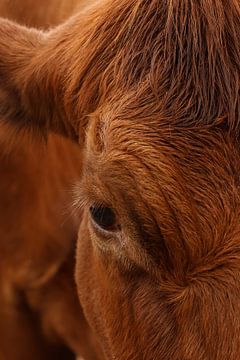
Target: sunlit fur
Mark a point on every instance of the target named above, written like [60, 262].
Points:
[150, 90]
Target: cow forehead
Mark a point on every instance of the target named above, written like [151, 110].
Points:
[200, 152]
[191, 172]
[176, 190]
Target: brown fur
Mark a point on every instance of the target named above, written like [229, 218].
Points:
[150, 89]
[40, 315]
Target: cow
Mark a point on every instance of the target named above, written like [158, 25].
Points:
[149, 90]
[40, 315]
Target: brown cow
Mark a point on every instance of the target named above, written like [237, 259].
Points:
[40, 316]
[150, 90]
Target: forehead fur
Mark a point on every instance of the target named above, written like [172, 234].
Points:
[161, 82]
[182, 183]
[180, 59]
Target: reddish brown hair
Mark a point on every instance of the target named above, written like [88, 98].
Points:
[159, 80]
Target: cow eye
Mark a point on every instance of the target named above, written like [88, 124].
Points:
[104, 217]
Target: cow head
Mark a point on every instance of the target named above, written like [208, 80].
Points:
[153, 90]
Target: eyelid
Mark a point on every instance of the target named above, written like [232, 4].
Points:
[101, 230]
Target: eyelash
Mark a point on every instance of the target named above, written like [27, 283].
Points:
[104, 217]
[83, 200]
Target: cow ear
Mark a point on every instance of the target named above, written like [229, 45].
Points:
[29, 90]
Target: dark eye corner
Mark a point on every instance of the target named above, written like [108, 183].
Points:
[104, 217]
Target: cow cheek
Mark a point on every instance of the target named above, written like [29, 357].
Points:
[87, 284]
[101, 293]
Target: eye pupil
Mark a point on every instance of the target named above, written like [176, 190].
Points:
[103, 217]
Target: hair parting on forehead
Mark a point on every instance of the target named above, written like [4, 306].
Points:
[178, 60]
